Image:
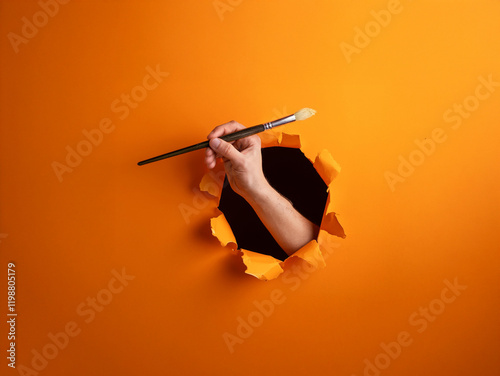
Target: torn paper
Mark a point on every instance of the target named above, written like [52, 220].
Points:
[266, 267]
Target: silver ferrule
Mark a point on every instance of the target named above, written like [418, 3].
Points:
[284, 120]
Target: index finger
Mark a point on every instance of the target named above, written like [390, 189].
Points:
[221, 130]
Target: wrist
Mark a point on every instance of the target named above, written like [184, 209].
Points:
[259, 193]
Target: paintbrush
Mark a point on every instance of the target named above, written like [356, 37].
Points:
[303, 114]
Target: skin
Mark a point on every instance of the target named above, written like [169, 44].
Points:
[243, 164]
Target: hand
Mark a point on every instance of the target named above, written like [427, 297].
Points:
[243, 164]
[242, 159]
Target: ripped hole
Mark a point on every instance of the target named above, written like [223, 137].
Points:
[291, 174]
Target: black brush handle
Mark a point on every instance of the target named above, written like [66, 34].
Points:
[228, 137]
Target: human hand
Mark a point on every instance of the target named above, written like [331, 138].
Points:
[242, 159]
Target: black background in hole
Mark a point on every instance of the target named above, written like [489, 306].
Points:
[294, 177]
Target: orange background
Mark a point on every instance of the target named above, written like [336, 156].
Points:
[254, 62]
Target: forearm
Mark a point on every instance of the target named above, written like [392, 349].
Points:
[243, 165]
[289, 228]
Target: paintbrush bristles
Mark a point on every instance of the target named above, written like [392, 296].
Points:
[304, 114]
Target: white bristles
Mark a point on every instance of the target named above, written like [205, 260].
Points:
[304, 114]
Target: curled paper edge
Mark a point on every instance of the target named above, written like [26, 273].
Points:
[311, 253]
[261, 266]
[327, 167]
[221, 230]
[266, 267]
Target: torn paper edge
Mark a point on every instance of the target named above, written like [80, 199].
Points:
[266, 267]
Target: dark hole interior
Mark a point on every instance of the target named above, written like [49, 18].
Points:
[294, 177]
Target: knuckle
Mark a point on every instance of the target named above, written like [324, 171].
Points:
[234, 125]
[226, 148]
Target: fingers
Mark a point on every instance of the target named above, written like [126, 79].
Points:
[225, 149]
[219, 131]
[224, 129]
[249, 142]
[210, 158]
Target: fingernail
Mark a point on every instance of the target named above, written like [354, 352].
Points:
[215, 142]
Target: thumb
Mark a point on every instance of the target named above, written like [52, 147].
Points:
[225, 149]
